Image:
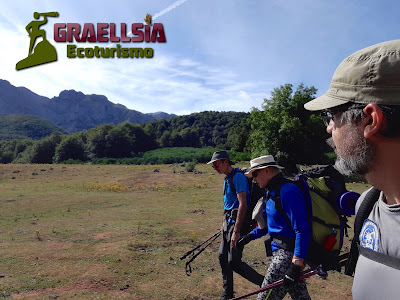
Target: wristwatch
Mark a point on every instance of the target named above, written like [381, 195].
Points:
[298, 262]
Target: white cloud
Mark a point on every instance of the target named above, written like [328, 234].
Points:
[164, 83]
[218, 56]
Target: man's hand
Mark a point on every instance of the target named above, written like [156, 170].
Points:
[235, 237]
[244, 240]
[292, 276]
[242, 198]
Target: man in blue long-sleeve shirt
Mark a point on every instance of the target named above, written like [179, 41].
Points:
[290, 232]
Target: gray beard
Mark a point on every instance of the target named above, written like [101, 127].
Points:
[358, 156]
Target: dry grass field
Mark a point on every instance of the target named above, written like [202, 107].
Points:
[117, 232]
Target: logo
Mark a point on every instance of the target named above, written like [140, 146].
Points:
[76, 33]
[369, 235]
[43, 52]
[148, 19]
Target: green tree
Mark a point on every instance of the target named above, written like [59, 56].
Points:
[21, 145]
[42, 152]
[286, 130]
[144, 138]
[150, 130]
[238, 135]
[190, 138]
[6, 156]
[126, 140]
[204, 129]
[176, 139]
[96, 140]
[119, 143]
[165, 139]
[71, 147]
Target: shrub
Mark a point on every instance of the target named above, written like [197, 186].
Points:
[190, 166]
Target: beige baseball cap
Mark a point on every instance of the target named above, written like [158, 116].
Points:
[370, 75]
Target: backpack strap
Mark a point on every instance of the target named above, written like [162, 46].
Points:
[278, 202]
[229, 180]
[380, 257]
[284, 242]
[363, 212]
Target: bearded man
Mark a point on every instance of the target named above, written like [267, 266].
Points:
[362, 114]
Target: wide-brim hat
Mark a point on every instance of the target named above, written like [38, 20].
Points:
[261, 163]
[218, 155]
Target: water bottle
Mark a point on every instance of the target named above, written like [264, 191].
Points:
[330, 241]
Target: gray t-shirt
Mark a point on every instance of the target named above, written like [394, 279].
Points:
[380, 232]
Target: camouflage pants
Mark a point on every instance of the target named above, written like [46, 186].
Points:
[281, 261]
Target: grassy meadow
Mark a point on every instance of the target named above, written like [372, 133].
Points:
[117, 232]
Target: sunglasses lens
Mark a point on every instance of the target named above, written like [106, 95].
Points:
[326, 117]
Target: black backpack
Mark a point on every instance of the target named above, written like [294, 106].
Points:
[362, 214]
[329, 204]
[255, 194]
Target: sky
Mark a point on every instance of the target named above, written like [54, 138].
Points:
[224, 55]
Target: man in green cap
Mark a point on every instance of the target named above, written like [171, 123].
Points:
[362, 114]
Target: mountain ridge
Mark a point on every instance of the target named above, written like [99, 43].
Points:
[72, 110]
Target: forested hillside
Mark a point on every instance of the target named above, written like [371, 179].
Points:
[25, 127]
[282, 128]
[225, 130]
[208, 128]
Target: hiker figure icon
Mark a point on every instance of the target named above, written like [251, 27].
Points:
[43, 52]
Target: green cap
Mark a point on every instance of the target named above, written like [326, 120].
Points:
[370, 75]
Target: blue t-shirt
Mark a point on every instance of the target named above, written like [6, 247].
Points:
[241, 185]
[294, 204]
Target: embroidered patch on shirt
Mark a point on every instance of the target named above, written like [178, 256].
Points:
[369, 235]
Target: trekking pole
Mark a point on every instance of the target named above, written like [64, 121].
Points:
[305, 274]
[198, 246]
[188, 268]
[191, 252]
[343, 259]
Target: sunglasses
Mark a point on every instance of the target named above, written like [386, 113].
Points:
[327, 116]
[254, 174]
[334, 115]
[216, 166]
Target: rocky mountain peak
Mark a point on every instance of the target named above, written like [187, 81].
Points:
[72, 110]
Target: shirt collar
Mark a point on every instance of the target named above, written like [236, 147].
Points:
[275, 182]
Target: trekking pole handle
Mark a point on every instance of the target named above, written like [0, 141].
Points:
[188, 268]
[305, 274]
